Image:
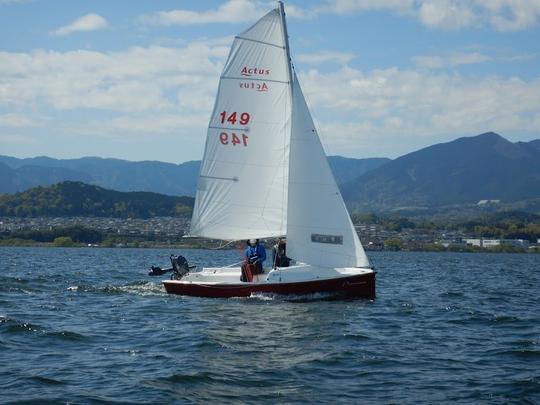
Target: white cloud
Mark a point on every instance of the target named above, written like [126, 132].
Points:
[325, 56]
[162, 91]
[138, 91]
[511, 15]
[16, 139]
[446, 14]
[139, 79]
[455, 59]
[14, 120]
[230, 12]
[350, 6]
[233, 11]
[143, 125]
[386, 106]
[466, 58]
[293, 11]
[88, 22]
[503, 15]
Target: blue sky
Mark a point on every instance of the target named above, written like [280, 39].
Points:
[136, 79]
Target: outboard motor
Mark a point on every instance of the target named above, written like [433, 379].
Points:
[180, 267]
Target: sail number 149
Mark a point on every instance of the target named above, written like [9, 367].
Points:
[232, 118]
[232, 138]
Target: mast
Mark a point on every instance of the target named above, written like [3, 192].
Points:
[286, 165]
[286, 41]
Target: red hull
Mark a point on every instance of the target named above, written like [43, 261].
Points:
[361, 286]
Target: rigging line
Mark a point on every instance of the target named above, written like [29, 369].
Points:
[224, 246]
[235, 264]
[314, 119]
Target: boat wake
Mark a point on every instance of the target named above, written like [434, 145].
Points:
[139, 288]
[320, 296]
[143, 288]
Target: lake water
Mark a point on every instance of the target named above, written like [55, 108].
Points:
[89, 326]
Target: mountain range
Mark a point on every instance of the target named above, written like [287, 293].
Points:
[464, 171]
[159, 177]
[460, 172]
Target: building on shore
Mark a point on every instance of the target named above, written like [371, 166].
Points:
[492, 243]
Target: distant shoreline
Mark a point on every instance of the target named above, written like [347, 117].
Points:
[147, 245]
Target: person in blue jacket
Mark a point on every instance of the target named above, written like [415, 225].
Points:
[255, 254]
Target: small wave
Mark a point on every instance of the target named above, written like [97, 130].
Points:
[201, 377]
[46, 380]
[66, 335]
[14, 326]
[526, 353]
[452, 294]
[519, 353]
[355, 336]
[500, 318]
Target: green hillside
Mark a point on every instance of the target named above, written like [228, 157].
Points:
[79, 199]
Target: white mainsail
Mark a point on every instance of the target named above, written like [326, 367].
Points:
[242, 186]
[264, 172]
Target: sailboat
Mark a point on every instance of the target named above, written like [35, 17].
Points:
[264, 174]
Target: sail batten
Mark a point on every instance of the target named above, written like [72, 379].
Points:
[259, 42]
[255, 79]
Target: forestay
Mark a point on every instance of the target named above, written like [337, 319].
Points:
[242, 187]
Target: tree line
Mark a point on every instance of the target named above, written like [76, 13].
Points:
[79, 199]
[500, 225]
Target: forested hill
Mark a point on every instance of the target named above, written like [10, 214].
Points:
[79, 199]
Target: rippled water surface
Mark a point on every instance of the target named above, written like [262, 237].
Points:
[89, 326]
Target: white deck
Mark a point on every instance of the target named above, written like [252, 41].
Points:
[292, 274]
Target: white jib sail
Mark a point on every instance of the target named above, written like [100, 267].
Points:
[319, 229]
[242, 186]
